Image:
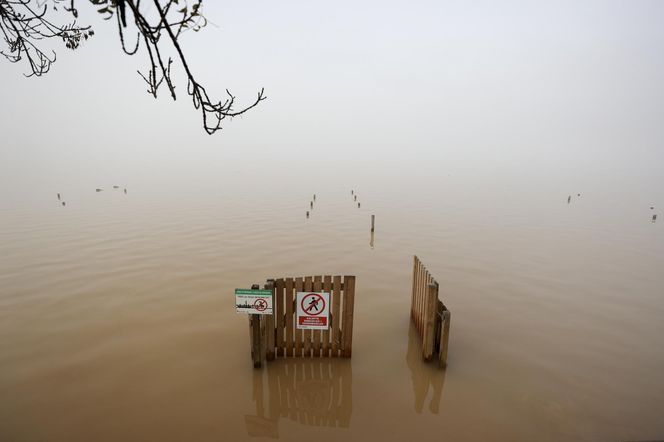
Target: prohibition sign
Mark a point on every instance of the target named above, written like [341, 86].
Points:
[260, 304]
[310, 303]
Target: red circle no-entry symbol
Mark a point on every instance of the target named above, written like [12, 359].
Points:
[313, 304]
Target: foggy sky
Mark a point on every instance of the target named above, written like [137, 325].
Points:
[571, 90]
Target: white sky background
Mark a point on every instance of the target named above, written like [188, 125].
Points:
[545, 90]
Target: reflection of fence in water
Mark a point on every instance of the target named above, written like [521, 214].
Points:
[424, 377]
[316, 393]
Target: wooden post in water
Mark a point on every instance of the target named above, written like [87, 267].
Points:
[269, 324]
[255, 326]
[347, 322]
[444, 339]
[373, 222]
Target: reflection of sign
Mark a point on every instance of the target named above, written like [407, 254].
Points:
[313, 310]
[253, 302]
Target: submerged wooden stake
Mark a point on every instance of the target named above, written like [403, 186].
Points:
[373, 221]
[255, 326]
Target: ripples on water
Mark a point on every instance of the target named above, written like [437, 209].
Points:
[117, 319]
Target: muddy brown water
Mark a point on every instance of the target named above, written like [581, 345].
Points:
[117, 319]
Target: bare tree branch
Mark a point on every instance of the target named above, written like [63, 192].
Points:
[24, 25]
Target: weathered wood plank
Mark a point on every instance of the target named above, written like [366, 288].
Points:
[430, 316]
[347, 324]
[317, 334]
[255, 326]
[289, 345]
[444, 339]
[327, 287]
[308, 286]
[280, 317]
[336, 316]
[412, 293]
[270, 326]
[299, 284]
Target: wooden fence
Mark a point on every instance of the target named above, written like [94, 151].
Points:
[431, 317]
[276, 335]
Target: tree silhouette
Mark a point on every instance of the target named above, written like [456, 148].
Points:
[158, 24]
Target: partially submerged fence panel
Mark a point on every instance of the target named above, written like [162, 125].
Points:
[277, 335]
[431, 317]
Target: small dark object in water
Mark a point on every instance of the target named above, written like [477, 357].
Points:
[654, 218]
[98, 190]
[314, 197]
[355, 197]
[578, 194]
[63, 203]
[569, 198]
[651, 207]
[116, 187]
[351, 192]
[125, 191]
[59, 198]
[358, 205]
[311, 203]
[307, 214]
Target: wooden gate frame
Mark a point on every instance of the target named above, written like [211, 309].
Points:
[277, 336]
[430, 315]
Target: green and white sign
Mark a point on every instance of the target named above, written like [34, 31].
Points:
[253, 302]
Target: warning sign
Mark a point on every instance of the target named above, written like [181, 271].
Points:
[253, 302]
[313, 310]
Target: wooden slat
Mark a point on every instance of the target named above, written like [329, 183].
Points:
[308, 286]
[317, 334]
[444, 339]
[255, 333]
[299, 284]
[270, 327]
[280, 316]
[416, 276]
[327, 287]
[430, 315]
[349, 305]
[336, 316]
[420, 298]
[412, 293]
[288, 303]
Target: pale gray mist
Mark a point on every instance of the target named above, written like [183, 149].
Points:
[464, 127]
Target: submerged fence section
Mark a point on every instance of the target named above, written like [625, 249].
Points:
[278, 335]
[431, 317]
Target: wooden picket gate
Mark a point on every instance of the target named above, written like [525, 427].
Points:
[431, 317]
[277, 336]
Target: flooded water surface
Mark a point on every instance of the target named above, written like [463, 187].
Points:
[118, 320]
[515, 148]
